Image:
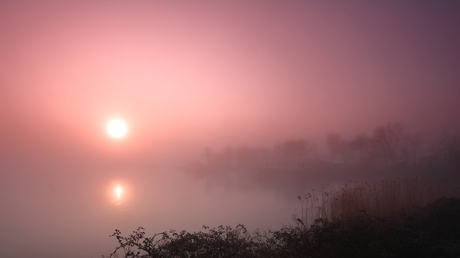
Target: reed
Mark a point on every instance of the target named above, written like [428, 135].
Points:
[380, 199]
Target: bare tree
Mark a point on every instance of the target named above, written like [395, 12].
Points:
[411, 147]
[228, 154]
[245, 155]
[446, 154]
[313, 150]
[295, 150]
[393, 144]
[346, 151]
[359, 146]
[387, 141]
[207, 152]
[334, 142]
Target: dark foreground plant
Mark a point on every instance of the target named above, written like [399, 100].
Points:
[432, 231]
[214, 242]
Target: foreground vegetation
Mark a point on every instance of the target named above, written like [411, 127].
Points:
[383, 219]
[387, 199]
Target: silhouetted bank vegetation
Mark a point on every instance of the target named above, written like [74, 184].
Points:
[430, 231]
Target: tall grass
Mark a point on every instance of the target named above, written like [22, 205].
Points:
[383, 199]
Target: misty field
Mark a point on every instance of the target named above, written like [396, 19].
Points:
[388, 218]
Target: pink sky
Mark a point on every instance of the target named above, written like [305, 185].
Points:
[189, 74]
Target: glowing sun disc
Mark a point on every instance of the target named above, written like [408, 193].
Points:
[116, 128]
[118, 191]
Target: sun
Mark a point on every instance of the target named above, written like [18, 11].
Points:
[117, 128]
[118, 192]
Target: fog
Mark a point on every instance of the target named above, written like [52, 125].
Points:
[215, 95]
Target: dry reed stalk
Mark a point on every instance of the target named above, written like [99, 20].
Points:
[383, 199]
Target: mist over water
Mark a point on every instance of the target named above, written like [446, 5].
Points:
[228, 107]
[57, 205]
[67, 211]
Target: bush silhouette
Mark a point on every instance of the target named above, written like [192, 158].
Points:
[431, 231]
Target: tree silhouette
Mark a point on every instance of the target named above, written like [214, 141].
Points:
[334, 142]
[295, 150]
[393, 144]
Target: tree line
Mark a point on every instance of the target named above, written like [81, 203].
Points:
[390, 145]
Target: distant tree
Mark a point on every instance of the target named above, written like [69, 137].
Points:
[245, 155]
[387, 142]
[295, 150]
[313, 150]
[393, 144]
[450, 152]
[229, 154]
[334, 144]
[444, 158]
[207, 152]
[359, 146]
[265, 156]
[346, 152]
[411, 147]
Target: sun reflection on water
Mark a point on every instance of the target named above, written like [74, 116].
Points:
[118, 192]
